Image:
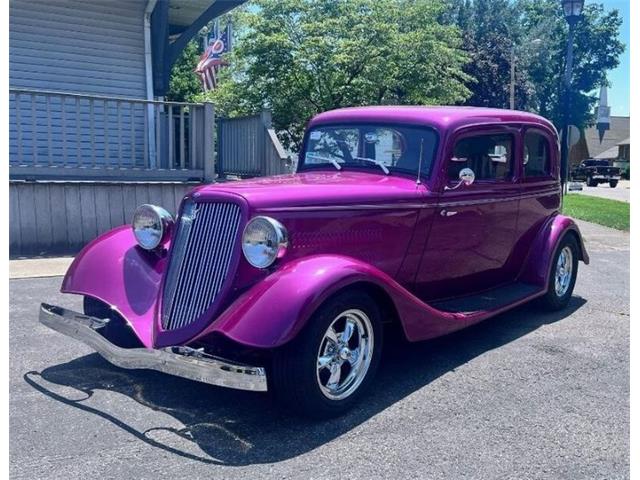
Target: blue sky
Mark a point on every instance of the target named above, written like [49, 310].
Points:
[618, 94]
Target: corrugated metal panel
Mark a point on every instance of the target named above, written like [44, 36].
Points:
[79, 47]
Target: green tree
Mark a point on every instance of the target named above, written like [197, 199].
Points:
[536, 31]
[184, 84]
[597, 50]
[489, 28]
[302, 57]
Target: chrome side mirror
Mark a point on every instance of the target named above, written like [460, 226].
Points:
[466, 176]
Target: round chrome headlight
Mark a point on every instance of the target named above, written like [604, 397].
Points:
[151, 225]
[263, 241]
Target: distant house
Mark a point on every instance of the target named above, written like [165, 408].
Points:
[624, 150]
[612, 146]
[91, 136]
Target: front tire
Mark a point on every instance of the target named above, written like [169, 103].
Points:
[117, 330]
[591, 182]
[613, 183]
[323, 372]
[562, 278]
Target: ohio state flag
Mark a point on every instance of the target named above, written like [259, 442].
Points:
[211, 60]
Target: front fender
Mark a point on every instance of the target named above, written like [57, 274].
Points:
[113, 269]
[539, 262]
[272, 312]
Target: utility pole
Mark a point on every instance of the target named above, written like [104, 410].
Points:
[512, 86]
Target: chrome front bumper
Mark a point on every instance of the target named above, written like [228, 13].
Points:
[606, 177]
[180, 361]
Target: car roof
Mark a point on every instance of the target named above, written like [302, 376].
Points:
[441, 117]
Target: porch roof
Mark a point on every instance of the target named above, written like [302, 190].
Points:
[173, 24]
[183, 13]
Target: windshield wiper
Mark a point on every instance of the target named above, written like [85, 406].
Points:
[333, 161]
[376, 162]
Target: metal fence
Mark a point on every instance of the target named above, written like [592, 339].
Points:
[56, 135]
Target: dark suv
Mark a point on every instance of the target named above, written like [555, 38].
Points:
[595, 172]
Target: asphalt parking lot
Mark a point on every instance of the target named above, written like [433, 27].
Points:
[524, 395]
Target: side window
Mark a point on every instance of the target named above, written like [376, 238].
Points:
[536, 157]
[489, 156]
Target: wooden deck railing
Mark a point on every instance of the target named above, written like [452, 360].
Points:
[67, 136]
[249, 147]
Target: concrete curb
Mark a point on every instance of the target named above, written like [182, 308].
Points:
[39, 267]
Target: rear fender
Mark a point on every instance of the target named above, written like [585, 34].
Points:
[114, 269]
[538, 266]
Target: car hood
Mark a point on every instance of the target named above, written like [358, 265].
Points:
[319, 188]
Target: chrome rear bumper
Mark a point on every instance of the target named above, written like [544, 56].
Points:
[180, 361]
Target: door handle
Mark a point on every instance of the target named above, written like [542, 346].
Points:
[447, 213]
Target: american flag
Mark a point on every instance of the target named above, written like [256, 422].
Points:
[211, 60]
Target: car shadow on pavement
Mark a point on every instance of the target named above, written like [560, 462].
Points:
[222, 426]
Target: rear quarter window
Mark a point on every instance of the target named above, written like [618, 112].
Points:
[536, 158]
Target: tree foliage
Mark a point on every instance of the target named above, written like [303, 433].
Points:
[597, 50]
[184, 84]
[536, 32]
[302, 57]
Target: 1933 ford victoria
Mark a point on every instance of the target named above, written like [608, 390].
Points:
[432, 219]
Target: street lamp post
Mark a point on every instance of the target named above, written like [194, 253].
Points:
[572, 13]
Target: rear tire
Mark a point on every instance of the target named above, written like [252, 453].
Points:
[613, 183]
[562, 278]
[325, 370]
[591, 182]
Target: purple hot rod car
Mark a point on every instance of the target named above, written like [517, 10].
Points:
[431, 219]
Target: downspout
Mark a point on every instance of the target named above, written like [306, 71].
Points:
[148, 70]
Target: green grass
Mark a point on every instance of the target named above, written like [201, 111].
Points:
[610, 213]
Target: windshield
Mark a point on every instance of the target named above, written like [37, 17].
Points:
[377, 147]
[596, 163]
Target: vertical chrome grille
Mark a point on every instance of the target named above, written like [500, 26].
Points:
[200, 260]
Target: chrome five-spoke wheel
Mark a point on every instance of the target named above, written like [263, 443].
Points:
[562, 274]
[564, 270]
[344, 355]
[328, 367]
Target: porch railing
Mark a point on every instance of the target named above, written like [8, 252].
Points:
[67, 136]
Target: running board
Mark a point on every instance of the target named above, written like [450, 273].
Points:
[490, 300]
